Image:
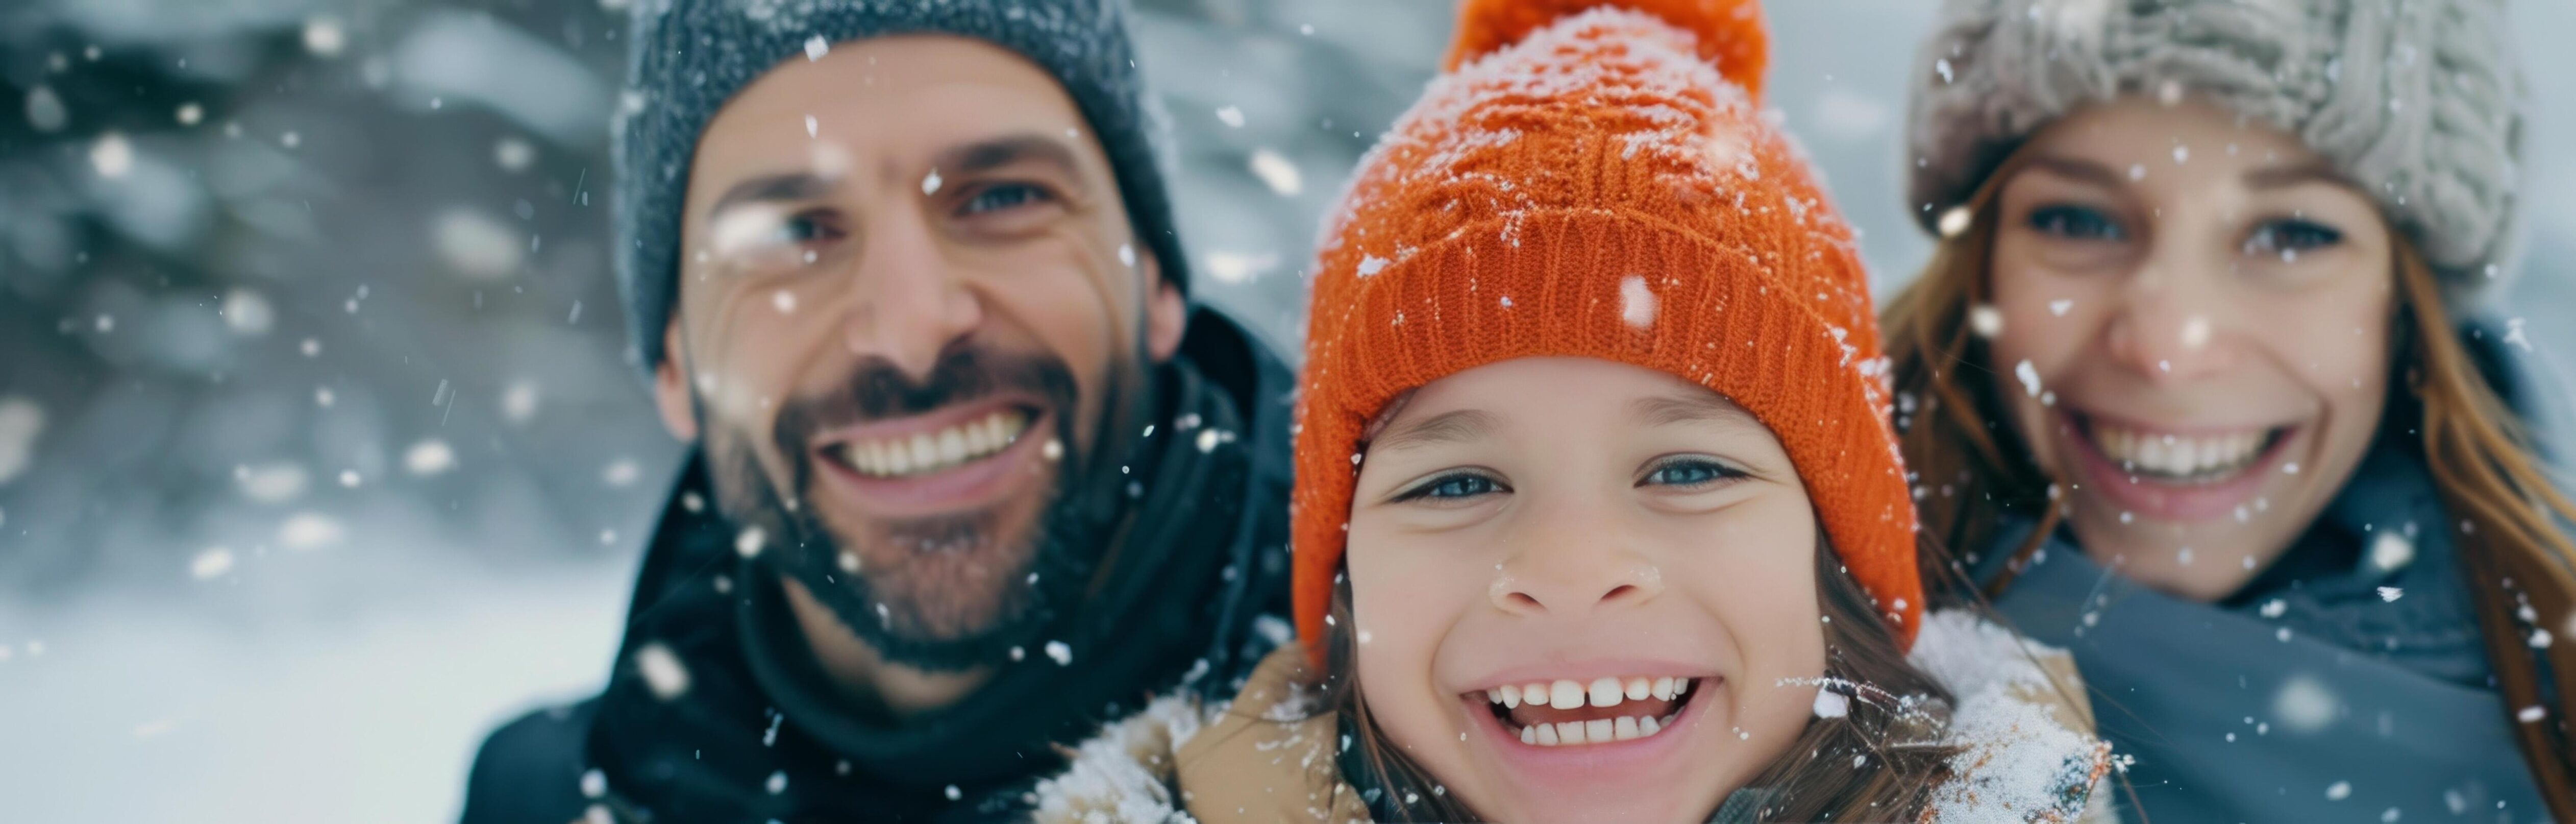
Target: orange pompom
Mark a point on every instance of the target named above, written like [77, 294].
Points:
[1730, 32]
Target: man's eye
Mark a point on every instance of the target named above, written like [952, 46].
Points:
[2076, 222]
[800, 229]
[1689, 473]
[1005, 196]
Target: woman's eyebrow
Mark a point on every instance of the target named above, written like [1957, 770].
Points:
[1460, 426]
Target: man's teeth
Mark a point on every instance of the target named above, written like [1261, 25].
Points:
[1601, 692]
[2178, 456]
[929, 452]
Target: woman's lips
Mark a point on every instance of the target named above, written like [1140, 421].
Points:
[2171, 473]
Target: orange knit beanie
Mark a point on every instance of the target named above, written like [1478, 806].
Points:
[1600, 182]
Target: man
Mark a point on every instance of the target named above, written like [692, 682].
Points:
[972, 474]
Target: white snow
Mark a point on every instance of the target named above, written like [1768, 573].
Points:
[1636, 303]
[2304, 704]
[750, 541]
[1231, 116]
[247, 312]
[429, 457]
[324, 37]
[21, 420]
[210, 563]
[111, 156]
[1985, 320]
[476, 245]
[1276, 171]
[2029, 377]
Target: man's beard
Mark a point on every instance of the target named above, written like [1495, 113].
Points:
[941, 593]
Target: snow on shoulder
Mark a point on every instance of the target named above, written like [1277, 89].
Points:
[2027, 750]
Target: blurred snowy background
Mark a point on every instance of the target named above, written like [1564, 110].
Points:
[317, 452]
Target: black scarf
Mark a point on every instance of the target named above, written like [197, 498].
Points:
[760, 733]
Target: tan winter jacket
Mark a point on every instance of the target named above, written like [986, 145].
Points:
[1268, 757]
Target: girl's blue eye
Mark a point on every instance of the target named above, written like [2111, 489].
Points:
[2077, 222]
[1689, 472]
[1005, 196]
[1460, 486]
[2290, 236]
[1454, 487]
[801, 229]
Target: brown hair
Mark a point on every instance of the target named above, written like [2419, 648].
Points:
[1895, 723]
[1973, 471]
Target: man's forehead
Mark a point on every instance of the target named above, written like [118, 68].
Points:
[888, 101]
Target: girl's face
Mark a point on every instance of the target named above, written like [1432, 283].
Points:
[1581, 589]
[2194, 335]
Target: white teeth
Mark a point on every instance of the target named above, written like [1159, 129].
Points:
[1564, 695]
[1639, 688]
[1534, 695]
[2176, 456]
[1571, 732]
[1664, 688]
[1595, 731]
[1606, 692]
[1511, 696]
[934, 451]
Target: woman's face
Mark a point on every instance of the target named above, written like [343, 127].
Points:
[1634, 548]
[2194, 335]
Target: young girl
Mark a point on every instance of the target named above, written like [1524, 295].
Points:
[1598, 515]
[2186, 385]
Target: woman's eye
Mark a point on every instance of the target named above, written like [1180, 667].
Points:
[2290, 237]
[1689, 472]
[801, 229]
[1457, 487]
[1005, 196]
[2076, 222]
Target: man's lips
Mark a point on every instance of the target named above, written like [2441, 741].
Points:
[948, 461]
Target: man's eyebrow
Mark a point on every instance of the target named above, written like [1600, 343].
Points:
[1459, 426]
[987, 155]
[1658, 410]
[775, 187]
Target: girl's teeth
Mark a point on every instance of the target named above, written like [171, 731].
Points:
[1607, 692]
[1535, 695]
[1595, 731]
[1564, 695]
[1570, 732]
[1639, 688]
[1664, 688]
[1511, 697]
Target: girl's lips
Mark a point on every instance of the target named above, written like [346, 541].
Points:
[2167, 501]
[1588, 768]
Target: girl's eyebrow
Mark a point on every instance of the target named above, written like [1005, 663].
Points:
[1459, 426]
[1658, 410]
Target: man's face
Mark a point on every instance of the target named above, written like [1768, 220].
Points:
[909, 297]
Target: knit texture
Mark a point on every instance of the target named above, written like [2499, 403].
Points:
[2418, 102]
[687, 58]
[1598, 189]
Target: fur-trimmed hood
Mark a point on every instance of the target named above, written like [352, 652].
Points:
[2025, 729]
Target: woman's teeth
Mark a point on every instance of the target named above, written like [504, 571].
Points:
[2192, 459]
[1660, 698]
[928, 452]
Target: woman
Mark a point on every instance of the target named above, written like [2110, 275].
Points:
[1598, 515]
[2184, 382]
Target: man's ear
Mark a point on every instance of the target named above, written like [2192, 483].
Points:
[1167, 313]
[671, 387]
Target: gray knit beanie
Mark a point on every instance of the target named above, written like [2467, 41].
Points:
[687, 58]
[2420, 102]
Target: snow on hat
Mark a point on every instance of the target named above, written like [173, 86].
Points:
[1600, 182]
